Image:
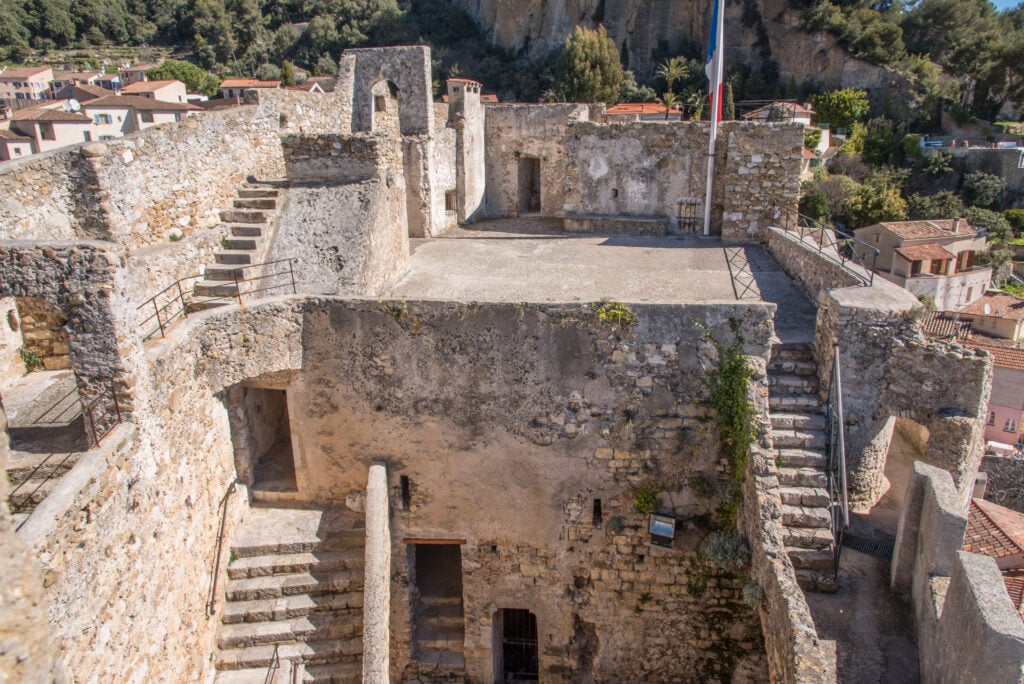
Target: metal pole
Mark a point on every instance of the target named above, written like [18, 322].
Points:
[238, 287]
[716, 88]
[158, 322]
[181, 299]
[291, 272]
[838, 383]
[113, 395]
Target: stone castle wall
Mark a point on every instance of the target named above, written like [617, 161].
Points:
[42, 330]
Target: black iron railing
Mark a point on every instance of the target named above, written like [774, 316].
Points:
[836, 454]
[832, 243]
[211, 604]
[178, 300]
[102, 412]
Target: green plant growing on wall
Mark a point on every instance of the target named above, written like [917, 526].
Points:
[697, 582]
[614, 313]
[645, 499]
[174, 237]
[395, 310]
[728, 385]
[725, 551]
[32, 359]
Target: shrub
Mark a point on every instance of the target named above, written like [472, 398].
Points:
[726, 551]
[645, 499]
[616, 313]
[1015, 217]
[31, 357]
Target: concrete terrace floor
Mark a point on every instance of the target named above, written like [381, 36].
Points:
[533, 261]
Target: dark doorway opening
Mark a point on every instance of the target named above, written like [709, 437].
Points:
[529, 185]
[519, 661]
[269, 438]
[438, 620]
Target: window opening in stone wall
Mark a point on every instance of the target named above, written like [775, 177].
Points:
[529, 185]
[438, 621]
[597, 513]
[519, 659]
[403, 483]
[267, 440]
[380, 103]
[450, 200]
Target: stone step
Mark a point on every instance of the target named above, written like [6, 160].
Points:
[797, 350]
[216, 288]
[225, 272]
[282, 544]
[802, 477]
[792, 384]
[231, 256]
[246, 229]
[289, 607]
[799, 439]
[310, 652]
[206, 303]
[30, 493]
[441, 615]
[806, 516]
[794, 402]
[798, 421]
[793, 366]
[23, 465]
[243, 216]
[332, 673]
[807, 537]
[804, 496]
[801, 458]
[318, 626]
[277, 564]
[443, 659]
[821, 581]
[275, 586]
[257, 675]
[440, 638]
[255, 192]
[811, 559]
[268, 203]
[239, 244]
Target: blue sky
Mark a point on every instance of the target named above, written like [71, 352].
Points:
[1005, 4]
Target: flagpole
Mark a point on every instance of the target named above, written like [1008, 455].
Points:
[715, 86]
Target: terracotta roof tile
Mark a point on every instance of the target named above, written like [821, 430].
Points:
[916, 230]
[76, 75]
[139, 103]
[1002, 357]
[22, 72]
[993, 530]
[642, 108]
[1014, 581]
[84, 91]
[1000, 305]
[13, 136]
[924, 252]
[147, 86]
[463, 80]
[48, 114]
[249, 83]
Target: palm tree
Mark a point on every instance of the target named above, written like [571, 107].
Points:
[696, 99]
[672, 70]
[670, 100]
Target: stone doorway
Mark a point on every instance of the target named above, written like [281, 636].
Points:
[529, 185]
[261, 430]
[438, 620]
[517, 646]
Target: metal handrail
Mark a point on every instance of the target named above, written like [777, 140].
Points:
[836, 469]
[211, 604]
[275, 664]
[179, 298]
[847, 247]
[99, 431]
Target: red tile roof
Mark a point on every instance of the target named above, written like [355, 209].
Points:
[85, 91]
[248, 83]
[50, 115]
[147, 86]
[76, 75]
[463, 80]
[140, 103]
[1000, 305]
[22, 73]
[808, 154]
[993, 530]
[1014, 581]
[1002, 357]
[924, 252]
[13, 136]
[140, 67]
[792, 109]
[916, 230]
[641, 108]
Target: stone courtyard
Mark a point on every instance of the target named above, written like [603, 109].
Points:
[426, 392]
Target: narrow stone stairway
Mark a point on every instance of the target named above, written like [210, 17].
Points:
[295, 583]
[249, 221]
[799, 438]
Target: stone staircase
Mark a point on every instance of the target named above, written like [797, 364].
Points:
[440, 635]
[799, 436]
[249, 221]
[295, 584]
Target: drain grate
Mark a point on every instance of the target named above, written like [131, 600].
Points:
[871, 547]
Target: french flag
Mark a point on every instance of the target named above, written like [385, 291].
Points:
[714, 61]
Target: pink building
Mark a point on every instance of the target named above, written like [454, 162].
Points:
[14, 145]
[51, 126]
[1006, 403]
[135, 74]
[234, 87]
[63, 79]
[26, 83]
[164, 91]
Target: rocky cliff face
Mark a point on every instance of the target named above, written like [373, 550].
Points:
[756, 31]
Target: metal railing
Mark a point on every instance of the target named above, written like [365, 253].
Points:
[103, 412]
[836, 463]
[211, 604]
[273, 667]
[832, 242]
[177, 300]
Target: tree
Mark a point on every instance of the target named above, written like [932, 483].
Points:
[875, 202]
[729, 103]
[195, 79]
[937, 164]
[881, 142]
[841, 108]
[997, 228]
[631, 92]
[942, 205]
[287, 73]
[326, 66]
[669, 101]
[837, 190]
[268, 72]
[672, 70]
[589, 69]
[982, 189]
[812, 138]
[814, 205]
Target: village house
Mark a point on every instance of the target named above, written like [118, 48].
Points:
[63, 79]
[82, 93]
[120, 115]
[996, 314]
[51, 126]
[998, 532]
[26, 83]
[930, 258]
[234, 87]
[135, 74]
[642, 111]
[164, 91]
[14, 145]
[110, 82]
[1006, 403]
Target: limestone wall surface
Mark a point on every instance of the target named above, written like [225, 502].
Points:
[1005, 481]
[11, 365]
[812, 270]
[345, 219]
[967, 628]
